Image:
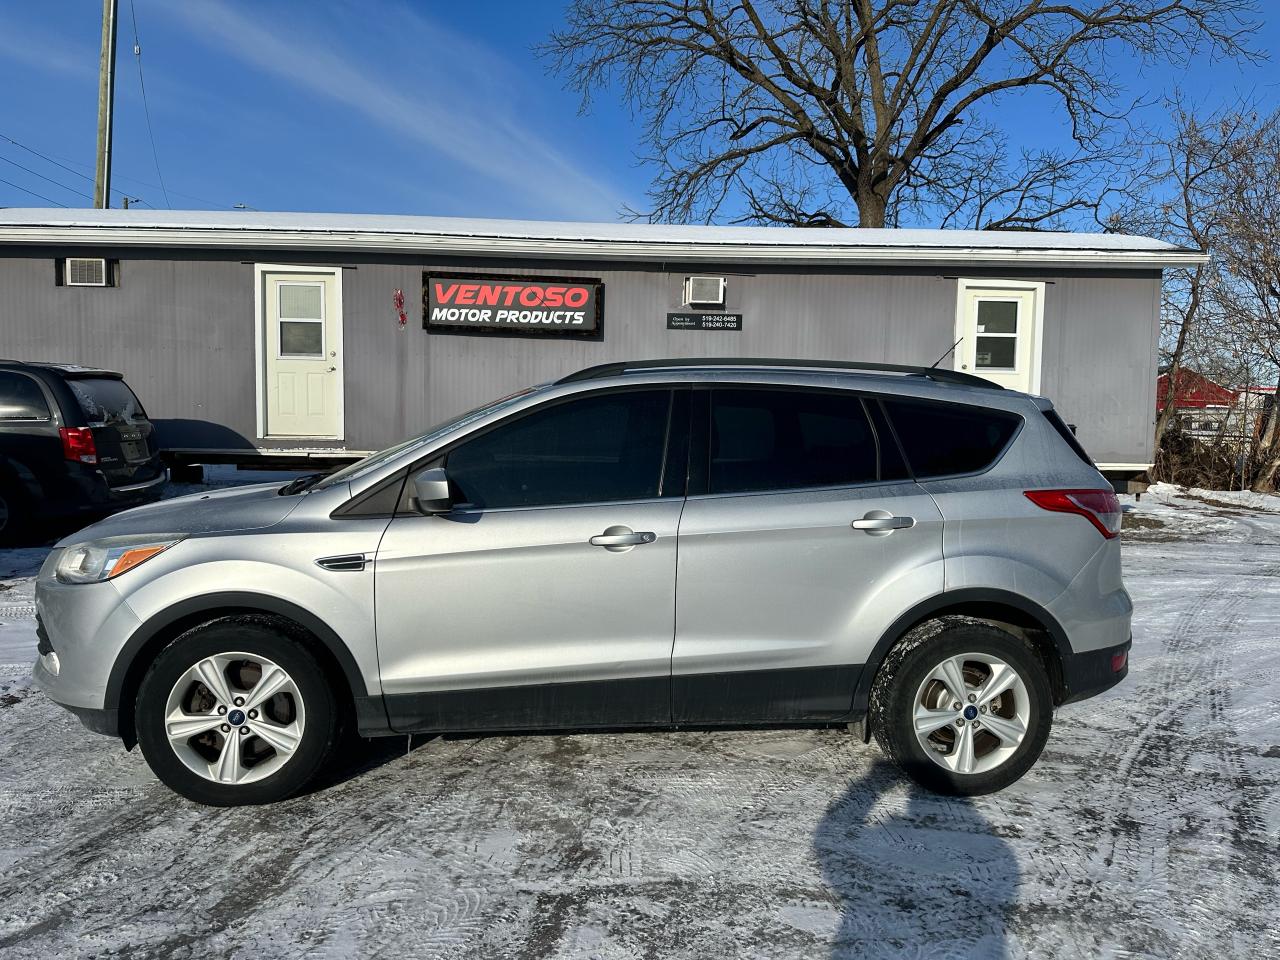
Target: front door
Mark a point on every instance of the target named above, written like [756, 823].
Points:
[997, 333]
[796, 558]
[302, 354]
[546, 597]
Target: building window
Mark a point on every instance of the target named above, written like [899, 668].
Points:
[301, 319]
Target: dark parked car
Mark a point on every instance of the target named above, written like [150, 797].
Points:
[74, 442]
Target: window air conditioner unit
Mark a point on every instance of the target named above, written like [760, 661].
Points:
[86, 272]
[704, 291]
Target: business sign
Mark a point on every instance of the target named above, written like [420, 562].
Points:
[514, 306]
[704, 321]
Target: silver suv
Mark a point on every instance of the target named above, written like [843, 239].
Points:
[916, 553]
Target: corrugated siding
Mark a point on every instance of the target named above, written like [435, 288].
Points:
[182, 330]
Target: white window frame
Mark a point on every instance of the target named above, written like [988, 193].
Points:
[280, 354]
[995, 287]
[261, 271]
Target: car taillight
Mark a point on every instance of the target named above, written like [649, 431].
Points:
[1099, 507]
[77, 444]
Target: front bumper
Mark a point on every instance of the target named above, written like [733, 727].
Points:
[80, 632]
[1088, 674]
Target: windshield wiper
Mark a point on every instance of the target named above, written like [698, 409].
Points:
[299, 484]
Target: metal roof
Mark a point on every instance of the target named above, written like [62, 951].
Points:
[608, 241]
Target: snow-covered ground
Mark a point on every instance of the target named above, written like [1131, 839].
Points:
[1150, 828]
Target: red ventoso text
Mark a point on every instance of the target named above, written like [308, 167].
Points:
[496, 303]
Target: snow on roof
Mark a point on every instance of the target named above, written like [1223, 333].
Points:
[258, 229]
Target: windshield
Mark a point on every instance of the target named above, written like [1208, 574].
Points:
[373, 461]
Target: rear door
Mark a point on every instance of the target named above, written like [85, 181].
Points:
[123, 435]
[795, 557]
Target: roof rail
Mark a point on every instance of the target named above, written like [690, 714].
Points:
[933, 373]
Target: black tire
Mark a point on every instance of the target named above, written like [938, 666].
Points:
[893, 701]
[253, 635]
[14, 515]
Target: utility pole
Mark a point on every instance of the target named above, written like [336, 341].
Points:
[106, 104]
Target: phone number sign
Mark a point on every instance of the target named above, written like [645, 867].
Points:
[704, 321]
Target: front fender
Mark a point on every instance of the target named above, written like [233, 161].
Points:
[335, 606]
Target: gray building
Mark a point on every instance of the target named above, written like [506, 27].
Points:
[254, 335]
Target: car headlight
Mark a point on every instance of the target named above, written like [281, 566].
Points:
[98, 560]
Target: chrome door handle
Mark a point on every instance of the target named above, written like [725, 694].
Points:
[622, 539]
[882, 523]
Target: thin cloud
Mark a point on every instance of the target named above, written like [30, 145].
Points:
[49, 54]
[457, 110]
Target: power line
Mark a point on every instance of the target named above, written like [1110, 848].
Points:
[56, 183]
[146, 110]
[34, 194]
[37, 153]
[115, 176]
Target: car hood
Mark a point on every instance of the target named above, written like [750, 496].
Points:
[218, 511]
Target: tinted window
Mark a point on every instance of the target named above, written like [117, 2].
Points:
[942, 438]
[600, 448]
[783, 439]
[104, 399]
[1066, 434]
[21, 398]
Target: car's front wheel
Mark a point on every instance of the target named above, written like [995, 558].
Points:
[236, 711]
[962, 706]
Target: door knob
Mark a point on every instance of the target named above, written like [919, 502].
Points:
[617, 539]
[881, 523]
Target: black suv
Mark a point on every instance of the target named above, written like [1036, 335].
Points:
[74, 442]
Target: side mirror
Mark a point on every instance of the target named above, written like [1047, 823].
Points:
[431, 491]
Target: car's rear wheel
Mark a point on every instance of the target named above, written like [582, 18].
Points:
[13, 515]
[236, 711]
[962, 706]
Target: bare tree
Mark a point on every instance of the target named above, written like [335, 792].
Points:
[1182, 201]
[1249, 249]
[829, 112]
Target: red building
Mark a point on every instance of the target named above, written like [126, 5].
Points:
[1193, 391]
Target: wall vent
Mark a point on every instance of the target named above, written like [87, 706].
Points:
[86, 272]
[704, 291]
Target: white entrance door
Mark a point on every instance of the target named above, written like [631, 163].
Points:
[302, 355]
[998, 332]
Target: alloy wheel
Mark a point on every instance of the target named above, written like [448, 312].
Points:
[971, 713]
[234, 718]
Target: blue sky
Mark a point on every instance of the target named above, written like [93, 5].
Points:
[381, 107]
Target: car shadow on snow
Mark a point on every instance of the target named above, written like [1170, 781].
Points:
[917, 874]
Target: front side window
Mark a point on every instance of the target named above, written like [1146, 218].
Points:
[943, 439]
[596, 449]
[784, 440]
[21, 398]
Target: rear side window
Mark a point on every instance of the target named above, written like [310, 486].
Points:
[598, 449]
[784, 440]
[943, 439]
[103, 399]
[1065, 433]
[21, 398]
